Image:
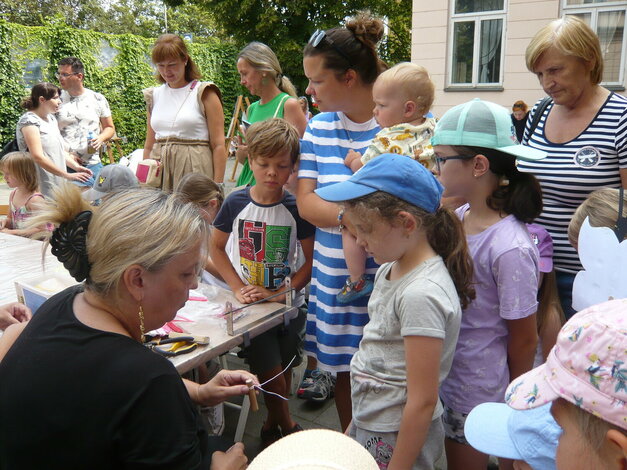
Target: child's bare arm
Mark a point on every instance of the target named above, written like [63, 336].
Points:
[210, 267]
[356, 165]
[422, 398]
[351, 156]
[224, 266]
[521, 345]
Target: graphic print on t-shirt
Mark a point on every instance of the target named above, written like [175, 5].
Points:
[263, 252]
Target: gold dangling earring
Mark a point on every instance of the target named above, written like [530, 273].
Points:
[141, 323]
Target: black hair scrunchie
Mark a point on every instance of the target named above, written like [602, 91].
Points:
[68, 244]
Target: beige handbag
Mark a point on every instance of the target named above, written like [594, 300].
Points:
[149, 172]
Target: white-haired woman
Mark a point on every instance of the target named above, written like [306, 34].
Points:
[77, 384]
[261, 74]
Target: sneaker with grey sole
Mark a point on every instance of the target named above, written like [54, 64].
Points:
[322, 387]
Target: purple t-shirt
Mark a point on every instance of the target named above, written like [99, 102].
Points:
[506, 281]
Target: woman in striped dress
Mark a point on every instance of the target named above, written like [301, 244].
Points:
[341, 65]
[583, 130]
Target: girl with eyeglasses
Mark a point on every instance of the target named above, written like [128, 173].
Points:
[341, 65]
[476, 153]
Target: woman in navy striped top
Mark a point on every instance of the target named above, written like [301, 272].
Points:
[583, 130]
[341, 65]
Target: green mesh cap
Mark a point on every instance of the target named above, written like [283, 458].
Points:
[480, 123]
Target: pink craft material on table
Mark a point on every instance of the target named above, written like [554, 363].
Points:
[172, 326]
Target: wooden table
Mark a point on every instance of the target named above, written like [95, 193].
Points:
[255, 320]
[21, 259]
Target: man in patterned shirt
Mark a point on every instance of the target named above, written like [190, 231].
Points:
[84, 117]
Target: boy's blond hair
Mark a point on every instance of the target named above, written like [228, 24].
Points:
[602, 208]
[413, 81]
[22, 166]
[271, 137]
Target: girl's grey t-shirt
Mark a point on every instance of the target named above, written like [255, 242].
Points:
[51, 144]
[424, 302]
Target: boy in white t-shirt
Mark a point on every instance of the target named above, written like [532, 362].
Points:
[265, 225]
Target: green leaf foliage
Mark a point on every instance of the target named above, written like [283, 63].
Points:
[286, 25]
[118, 66]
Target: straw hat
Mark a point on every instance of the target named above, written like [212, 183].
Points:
[314, 449]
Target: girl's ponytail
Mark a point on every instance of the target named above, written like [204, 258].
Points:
[521, 196]
[518, 193]
[446, 235]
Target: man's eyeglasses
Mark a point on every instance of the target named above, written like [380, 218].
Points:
[439, 161]
[65, 75]
[317, 37]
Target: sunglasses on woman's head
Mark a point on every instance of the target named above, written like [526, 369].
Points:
[317, 37]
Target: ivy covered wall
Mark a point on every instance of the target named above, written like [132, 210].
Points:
[118, 66]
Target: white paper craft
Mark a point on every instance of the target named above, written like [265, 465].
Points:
[604, 262]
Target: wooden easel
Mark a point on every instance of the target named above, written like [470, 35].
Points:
[234, 126]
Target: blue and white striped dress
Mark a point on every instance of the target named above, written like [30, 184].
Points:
[565, 185]
[333, 331]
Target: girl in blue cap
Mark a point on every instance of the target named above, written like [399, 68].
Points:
[392, 206]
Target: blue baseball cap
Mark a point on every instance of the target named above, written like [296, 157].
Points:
[398, 175]
[479, 123]
[528, 435]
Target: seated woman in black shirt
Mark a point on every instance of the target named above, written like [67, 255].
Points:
[77, 387]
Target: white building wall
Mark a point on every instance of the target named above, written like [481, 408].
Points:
[430, 36]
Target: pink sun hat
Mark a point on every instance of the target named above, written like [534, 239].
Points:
[587, 366]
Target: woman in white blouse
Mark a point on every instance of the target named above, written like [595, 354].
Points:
[38, 133]
[185, 125]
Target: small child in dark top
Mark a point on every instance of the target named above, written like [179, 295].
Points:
[265, 225]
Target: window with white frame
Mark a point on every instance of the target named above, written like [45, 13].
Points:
[476, 43]
[607, 19]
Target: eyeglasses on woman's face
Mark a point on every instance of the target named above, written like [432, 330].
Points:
[319, 35]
